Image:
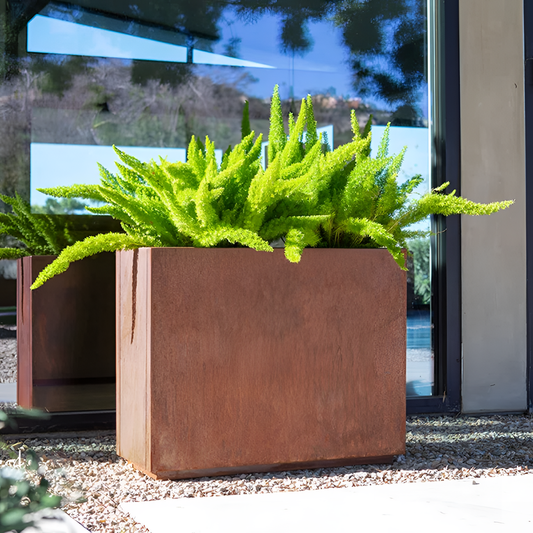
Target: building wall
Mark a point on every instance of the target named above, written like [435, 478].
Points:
[493, 168]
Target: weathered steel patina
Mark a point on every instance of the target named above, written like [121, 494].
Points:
[232, 360]
[66, 336]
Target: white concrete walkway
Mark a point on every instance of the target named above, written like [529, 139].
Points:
[8, 392]
[55, 521]
[502, 504]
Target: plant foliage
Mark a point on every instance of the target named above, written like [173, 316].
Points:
[37, 234]
[21, 498]
[307, 196]
[40, 233]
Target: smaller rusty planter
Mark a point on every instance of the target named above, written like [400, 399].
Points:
[232, 360]
[66, 336]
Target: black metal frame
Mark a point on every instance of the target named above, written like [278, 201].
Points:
[446, 243]
[528, 96]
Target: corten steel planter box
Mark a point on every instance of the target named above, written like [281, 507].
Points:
[66, 336]
[232, 360]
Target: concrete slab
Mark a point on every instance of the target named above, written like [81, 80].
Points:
[55, 521]
[489, 505]
[8, 392]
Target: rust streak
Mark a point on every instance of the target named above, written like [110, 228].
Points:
[135, 269]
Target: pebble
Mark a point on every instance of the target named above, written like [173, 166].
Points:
[8, 357]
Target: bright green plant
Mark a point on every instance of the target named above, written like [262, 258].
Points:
[36, 234]
[307, 196]
[369, 209]
[199, 203]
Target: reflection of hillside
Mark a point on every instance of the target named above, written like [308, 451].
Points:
[100, 104]
[104, 99]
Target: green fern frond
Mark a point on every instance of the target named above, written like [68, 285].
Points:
[245, 124]
[296, 241]
[277, 138]
[355, 125]
[87, 192]
[312, 135]
[107, 242]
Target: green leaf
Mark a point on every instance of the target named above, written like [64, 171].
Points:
[108, 242]
[277, 138]
[245, 124]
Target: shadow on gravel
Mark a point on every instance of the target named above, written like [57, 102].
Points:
[7, 333]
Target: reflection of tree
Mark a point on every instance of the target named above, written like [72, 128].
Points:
[76, 100]
[422, 283]
[16, 101]
[386, 39]
[63, 206]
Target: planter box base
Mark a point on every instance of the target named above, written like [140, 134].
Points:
[74, 397]
[254, 469]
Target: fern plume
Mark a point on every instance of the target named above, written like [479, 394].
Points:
[306, 196]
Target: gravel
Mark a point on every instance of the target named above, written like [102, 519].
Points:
[8, 354]
[85, 469]
[93, 480]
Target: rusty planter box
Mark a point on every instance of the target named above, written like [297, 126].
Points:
[232, 361]
[66, 336]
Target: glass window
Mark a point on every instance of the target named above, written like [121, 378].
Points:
[145, 75]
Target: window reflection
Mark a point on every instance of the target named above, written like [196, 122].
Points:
[145, 75]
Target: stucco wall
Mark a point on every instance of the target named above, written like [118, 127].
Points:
[493, 168]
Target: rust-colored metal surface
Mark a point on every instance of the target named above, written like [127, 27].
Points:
[232, 360]
[66, 336]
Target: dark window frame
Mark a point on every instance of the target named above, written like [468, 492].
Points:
[446, 242]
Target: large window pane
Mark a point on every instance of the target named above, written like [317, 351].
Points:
[80, 76]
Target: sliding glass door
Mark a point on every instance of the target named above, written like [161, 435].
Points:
[80, 76]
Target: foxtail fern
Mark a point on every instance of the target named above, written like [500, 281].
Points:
[307, 195]
[366, 205]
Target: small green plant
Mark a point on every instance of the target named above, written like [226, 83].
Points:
[21, 498]
[32, 233]
[36, 234]
[307, 196]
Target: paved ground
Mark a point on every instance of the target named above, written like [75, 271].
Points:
[502, 504]
[8, 392]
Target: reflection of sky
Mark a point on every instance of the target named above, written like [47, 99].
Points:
[416, 159]
[53, 36]
[321, 70]
[54, 165]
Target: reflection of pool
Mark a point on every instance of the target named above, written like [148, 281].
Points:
[419, 354]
